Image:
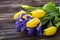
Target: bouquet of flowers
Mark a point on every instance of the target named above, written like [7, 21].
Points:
[38, 21]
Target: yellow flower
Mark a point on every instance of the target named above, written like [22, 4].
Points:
[33, 23]
[50, 31]
[38, 13]
[25, 17]
[17, 14]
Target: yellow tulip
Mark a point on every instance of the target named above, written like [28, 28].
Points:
[33, 23]
[17, 14]
[50, 31]
[38, 13]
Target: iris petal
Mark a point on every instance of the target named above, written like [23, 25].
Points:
[22, 14]
[17, 22]
[18, 18]
[39, 31]
[24, 22]
[23, 28]
[29, 18]
[20, 23]
[18, 28]
[31, 31]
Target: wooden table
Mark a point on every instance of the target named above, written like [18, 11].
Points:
[7, 25]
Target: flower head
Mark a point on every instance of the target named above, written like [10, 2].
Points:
[18, 14]
[50, 31]
[38, 13]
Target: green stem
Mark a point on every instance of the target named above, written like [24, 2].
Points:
[50, 24]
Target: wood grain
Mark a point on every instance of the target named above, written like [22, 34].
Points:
[7, 24]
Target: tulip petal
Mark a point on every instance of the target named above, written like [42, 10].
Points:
[20, 16]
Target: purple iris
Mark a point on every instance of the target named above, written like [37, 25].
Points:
[38, 31]
[29, 17]
[17, 22]
[35, 31]
[31, 32]
[18, 28]
[21, 26]
[21, 23]
[18, 18]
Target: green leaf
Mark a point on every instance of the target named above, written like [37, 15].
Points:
[56, 20]
[49, 6]
[50, 15]
[44, 21]
[57, 24]
[59, 9]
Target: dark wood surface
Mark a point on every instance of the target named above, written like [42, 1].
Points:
[35, 2]
[7, 24]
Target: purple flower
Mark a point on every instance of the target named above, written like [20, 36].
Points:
[17, 22]
[35, 31]
[31, 32]
[29, 17]
[23, 14]
[18, 18]
[24, 22]
[18, 28]
[39, 31]
[20, 23]
[23, 28]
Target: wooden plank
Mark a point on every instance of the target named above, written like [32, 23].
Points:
[11, 34]
[5, 2]
[21, 37]
[7, 24]
[7, 15]
[9, 8]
